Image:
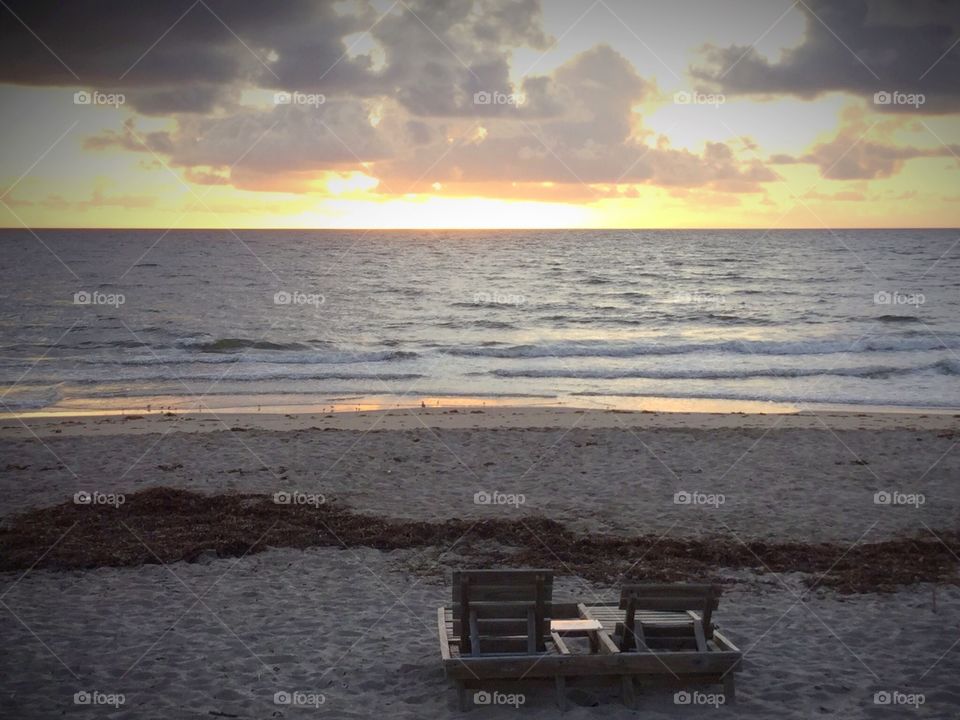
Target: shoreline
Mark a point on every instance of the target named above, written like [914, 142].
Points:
[306, 403]
[463, 416]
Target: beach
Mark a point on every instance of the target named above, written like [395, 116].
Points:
[351, 627]
[499, 359]
[806, 477]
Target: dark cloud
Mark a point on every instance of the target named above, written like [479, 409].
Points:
[179, 55]
[198, 98]
[174, 56]
[439, 56]
[419, 132]
[858, 46]
[52, 43]
[285, 138]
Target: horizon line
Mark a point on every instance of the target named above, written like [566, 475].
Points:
[477, 229]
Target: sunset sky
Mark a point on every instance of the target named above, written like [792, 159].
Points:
[484, 113]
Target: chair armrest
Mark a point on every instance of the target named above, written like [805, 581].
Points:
[606, 644]
[561, 645]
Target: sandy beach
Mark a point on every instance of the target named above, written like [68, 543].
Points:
[352, 629]
[805, 477]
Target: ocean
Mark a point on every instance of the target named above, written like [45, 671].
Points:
[111, 319]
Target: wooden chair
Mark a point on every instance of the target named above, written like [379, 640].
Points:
[673, 615]
[497, 612]
[667, 619]
[503, 614]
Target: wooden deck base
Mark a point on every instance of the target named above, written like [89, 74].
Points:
[674, 667]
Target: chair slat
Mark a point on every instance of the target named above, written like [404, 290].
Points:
[663, 605]
[500, 609]
[674, 603]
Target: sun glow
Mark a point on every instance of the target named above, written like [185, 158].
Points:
[340, 184]
[425, 211]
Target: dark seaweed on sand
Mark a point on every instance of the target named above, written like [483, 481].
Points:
[163, 525]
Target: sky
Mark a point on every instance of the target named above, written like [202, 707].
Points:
[480, 113]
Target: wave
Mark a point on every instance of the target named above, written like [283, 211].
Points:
[735, 319]
[650, 319]
[231, 344]
[334, 357]
[898, 318]
[339, 394]
[947, 367]
[266, 375]
[739, 347]
[29, 397]
[95, 345]
[485, 324]
[46, 347]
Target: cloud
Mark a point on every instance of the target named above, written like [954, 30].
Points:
[179, 55]
[597, 140]
[285, 138]
[439, 56]
[404, 109]
[850, 156]
[174, 56]
[857, 46]
[199, 98]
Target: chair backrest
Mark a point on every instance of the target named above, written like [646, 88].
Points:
[497, 612]
[668, 597]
